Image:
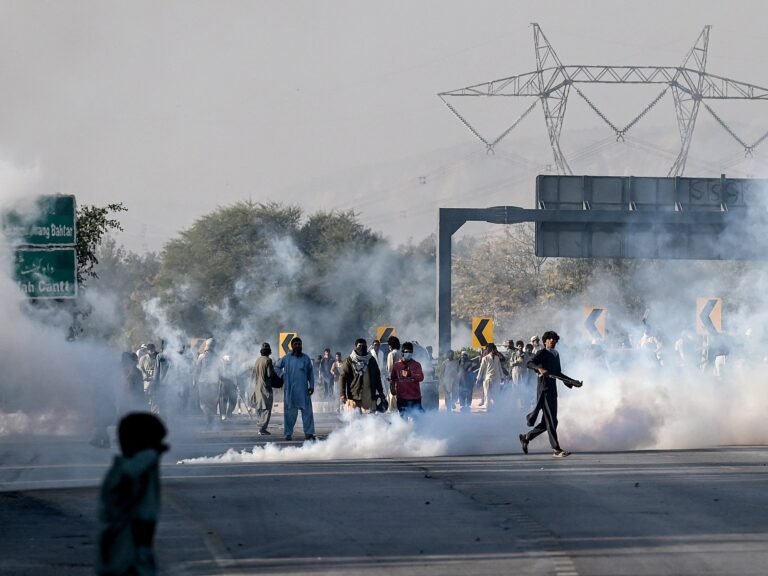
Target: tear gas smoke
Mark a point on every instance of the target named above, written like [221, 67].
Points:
[626, 403]
[47, 384]
[389, 436]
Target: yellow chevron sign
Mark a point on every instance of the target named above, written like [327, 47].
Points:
[284, 343]
[482, 331]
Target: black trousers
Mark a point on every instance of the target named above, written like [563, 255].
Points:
[547, 404]
[406, 406]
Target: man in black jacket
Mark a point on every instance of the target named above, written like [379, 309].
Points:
[547, 363]
[360, 379]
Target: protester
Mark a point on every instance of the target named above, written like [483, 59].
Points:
[547, 363]
[378, 355]
[361, 387]
[324, 376]
[154, 368]
[298, 387]
[228, 388]
[392, 357]
[449, 378]
[490, 375]
[467, 370]
[518, 363]
[404, 381]
[132, 391]
[207, 379]
[262, 398]
[129, 500]
[336, 373]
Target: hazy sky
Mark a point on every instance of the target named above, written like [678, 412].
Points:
[176, 107]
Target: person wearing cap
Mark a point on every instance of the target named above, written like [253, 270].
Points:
[129, 499]
[404, 381]
[536, 343]
[262, 376]
[298, 386]
[547, 363]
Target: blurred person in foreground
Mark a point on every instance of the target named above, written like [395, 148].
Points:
[361, 387]
[404, 382]
[262, 397]
[129, 501]
[298, 386]
[547, 363]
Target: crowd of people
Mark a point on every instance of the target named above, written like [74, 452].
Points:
[384, 377]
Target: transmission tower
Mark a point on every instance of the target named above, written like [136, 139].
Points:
[553, 82]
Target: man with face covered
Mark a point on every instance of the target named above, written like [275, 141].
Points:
[405, 381]
[361, 387]
[298, 387]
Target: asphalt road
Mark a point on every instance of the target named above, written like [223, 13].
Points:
[623, 513]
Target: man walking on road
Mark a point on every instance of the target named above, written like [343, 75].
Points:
[547, 363]
[298, 387]
[262, 377]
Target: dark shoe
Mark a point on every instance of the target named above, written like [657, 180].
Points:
[524, 443]
[560, 453]
[310, 437]
[264, 433]
[288, 437]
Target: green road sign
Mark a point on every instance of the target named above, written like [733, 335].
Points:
[52, 223]
[47, 273]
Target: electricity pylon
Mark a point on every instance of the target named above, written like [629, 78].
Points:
[552, 83]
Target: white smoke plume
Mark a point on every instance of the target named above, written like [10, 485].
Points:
[48, 385]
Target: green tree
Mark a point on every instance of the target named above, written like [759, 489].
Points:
[93, 223]
[222, 262]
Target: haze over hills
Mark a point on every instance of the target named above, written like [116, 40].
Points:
[400, 199]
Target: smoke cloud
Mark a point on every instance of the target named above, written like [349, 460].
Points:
[632, 398]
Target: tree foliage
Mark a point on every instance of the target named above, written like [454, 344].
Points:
[93, 222]
[245, 262]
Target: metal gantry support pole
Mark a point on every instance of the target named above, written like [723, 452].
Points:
[446, 226]
[450, 220]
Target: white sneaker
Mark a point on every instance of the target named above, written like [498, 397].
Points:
[560, 453]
